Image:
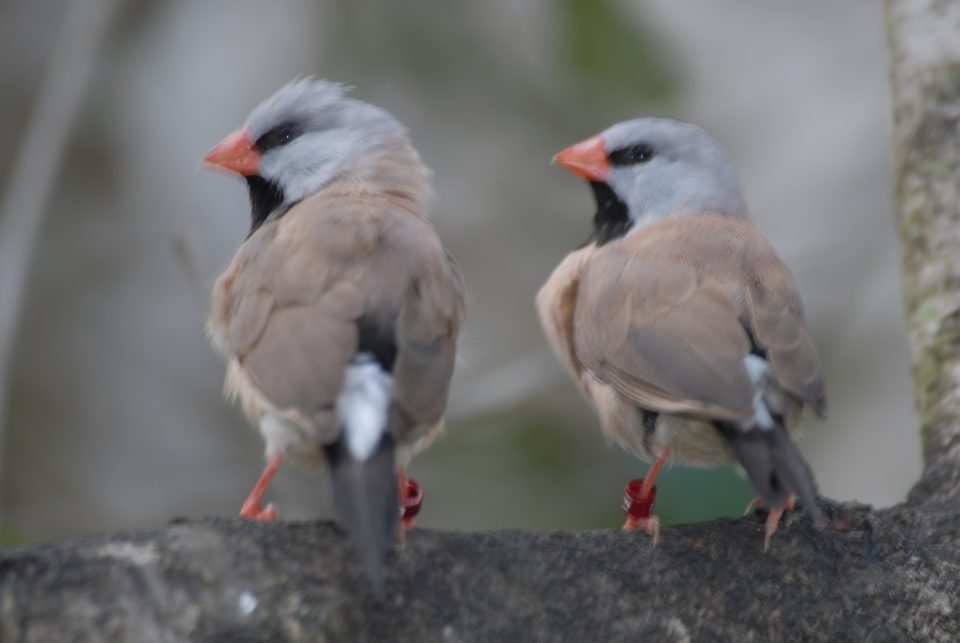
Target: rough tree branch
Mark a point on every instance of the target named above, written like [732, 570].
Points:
[872, 575]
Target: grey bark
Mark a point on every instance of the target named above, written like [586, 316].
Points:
[870, 575]
[925, 75]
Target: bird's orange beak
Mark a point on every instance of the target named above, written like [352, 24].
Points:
[587, 159]
[235, 154]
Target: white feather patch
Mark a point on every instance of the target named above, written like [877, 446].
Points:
[363, 404]
[758, 370]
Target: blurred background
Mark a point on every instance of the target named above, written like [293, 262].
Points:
[114, 414]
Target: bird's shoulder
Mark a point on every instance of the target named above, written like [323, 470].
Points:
[670, 259]
[716, 243]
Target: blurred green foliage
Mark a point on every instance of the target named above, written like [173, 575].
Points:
[545, 465]
[10, 538]
[613, 57]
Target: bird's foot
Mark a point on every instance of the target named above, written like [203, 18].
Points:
[756, 503]
[253, 508]
[411, 498]
[650, 524]
[773, 520]
[411, 502]
[770, 527]
[253, 511]
[638, 499]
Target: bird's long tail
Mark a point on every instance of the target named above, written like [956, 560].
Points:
[775, 466]
[362, 466]
[764, 449]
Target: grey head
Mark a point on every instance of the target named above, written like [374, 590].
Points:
[308, 134]
[647, 169]
[310, 131]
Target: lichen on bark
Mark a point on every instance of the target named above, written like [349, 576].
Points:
[924, 38]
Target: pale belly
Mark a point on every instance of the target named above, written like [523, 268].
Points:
[302, 441]
[281, 436]
[690, 441]
[305, 452]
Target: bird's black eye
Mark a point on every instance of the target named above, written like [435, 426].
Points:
[278, 136]
[631, 155]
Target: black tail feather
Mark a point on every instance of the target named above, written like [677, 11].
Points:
[774, 465]
[365, 498]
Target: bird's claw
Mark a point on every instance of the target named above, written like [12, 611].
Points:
[253, 511]
[772, 522]
[771, 525]
[650, 524]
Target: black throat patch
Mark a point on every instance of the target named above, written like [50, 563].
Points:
[265, 200]
[612, 220]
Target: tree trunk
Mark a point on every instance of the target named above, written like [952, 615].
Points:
[925, 75]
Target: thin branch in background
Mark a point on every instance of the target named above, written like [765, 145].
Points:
[69, 70]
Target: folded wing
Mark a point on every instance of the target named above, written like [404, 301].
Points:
[667, 318]
[333, 277]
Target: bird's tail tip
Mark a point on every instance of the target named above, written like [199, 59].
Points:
[365, 498]
[776, 467]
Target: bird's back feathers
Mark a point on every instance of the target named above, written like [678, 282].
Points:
[668, 314]
[288, 308]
